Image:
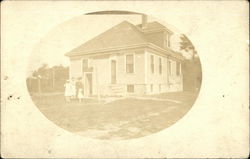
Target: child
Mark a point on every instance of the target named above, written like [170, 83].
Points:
[80, 95]
[67, 92]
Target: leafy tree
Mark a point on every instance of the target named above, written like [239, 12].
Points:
[51, 78]
[187, 46]
[191, 69]
[42, 72]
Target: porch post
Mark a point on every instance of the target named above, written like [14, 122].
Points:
[97, 83]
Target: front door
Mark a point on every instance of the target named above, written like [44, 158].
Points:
[88, 84]
[113, 72]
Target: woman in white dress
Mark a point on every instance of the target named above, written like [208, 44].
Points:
[67, 92]
[80, 95]
[72, 89]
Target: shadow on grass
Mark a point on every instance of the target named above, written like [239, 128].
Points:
[120, 119]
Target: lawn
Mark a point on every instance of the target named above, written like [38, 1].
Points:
[122, 118]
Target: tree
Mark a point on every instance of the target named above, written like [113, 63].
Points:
[191, 68]
[49, 79]
[187, 46]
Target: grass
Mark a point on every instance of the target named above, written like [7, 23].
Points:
[120, 119]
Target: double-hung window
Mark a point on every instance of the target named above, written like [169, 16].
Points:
[169, 68]
[130, 63]
[167, 40]
[152, 63]
[178, 65]
[84, 65]
[160, 66]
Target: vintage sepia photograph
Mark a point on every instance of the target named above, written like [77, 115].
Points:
[114, 75]
[124, 79]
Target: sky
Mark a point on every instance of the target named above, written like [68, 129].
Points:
[72, 33]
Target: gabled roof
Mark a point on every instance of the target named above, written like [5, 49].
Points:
[153, 26]
[123, 34]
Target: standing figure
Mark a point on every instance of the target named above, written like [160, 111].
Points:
[79, 87]
[67, 92]
[80, 95]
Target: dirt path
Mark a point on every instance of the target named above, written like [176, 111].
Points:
[124, 129]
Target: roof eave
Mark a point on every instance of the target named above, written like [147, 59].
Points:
[168, 52]
[81, 53]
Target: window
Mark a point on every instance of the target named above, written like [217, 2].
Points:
[169, 68]
[178, 65]
[113, 72]
[151, 87]
[130, 88]
[84, 65]
[160, 66]
[167, 41]
[130, 63]
[152, 63]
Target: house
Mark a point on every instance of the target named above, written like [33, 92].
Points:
[128, 59]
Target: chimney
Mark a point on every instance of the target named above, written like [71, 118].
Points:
[144, 21]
